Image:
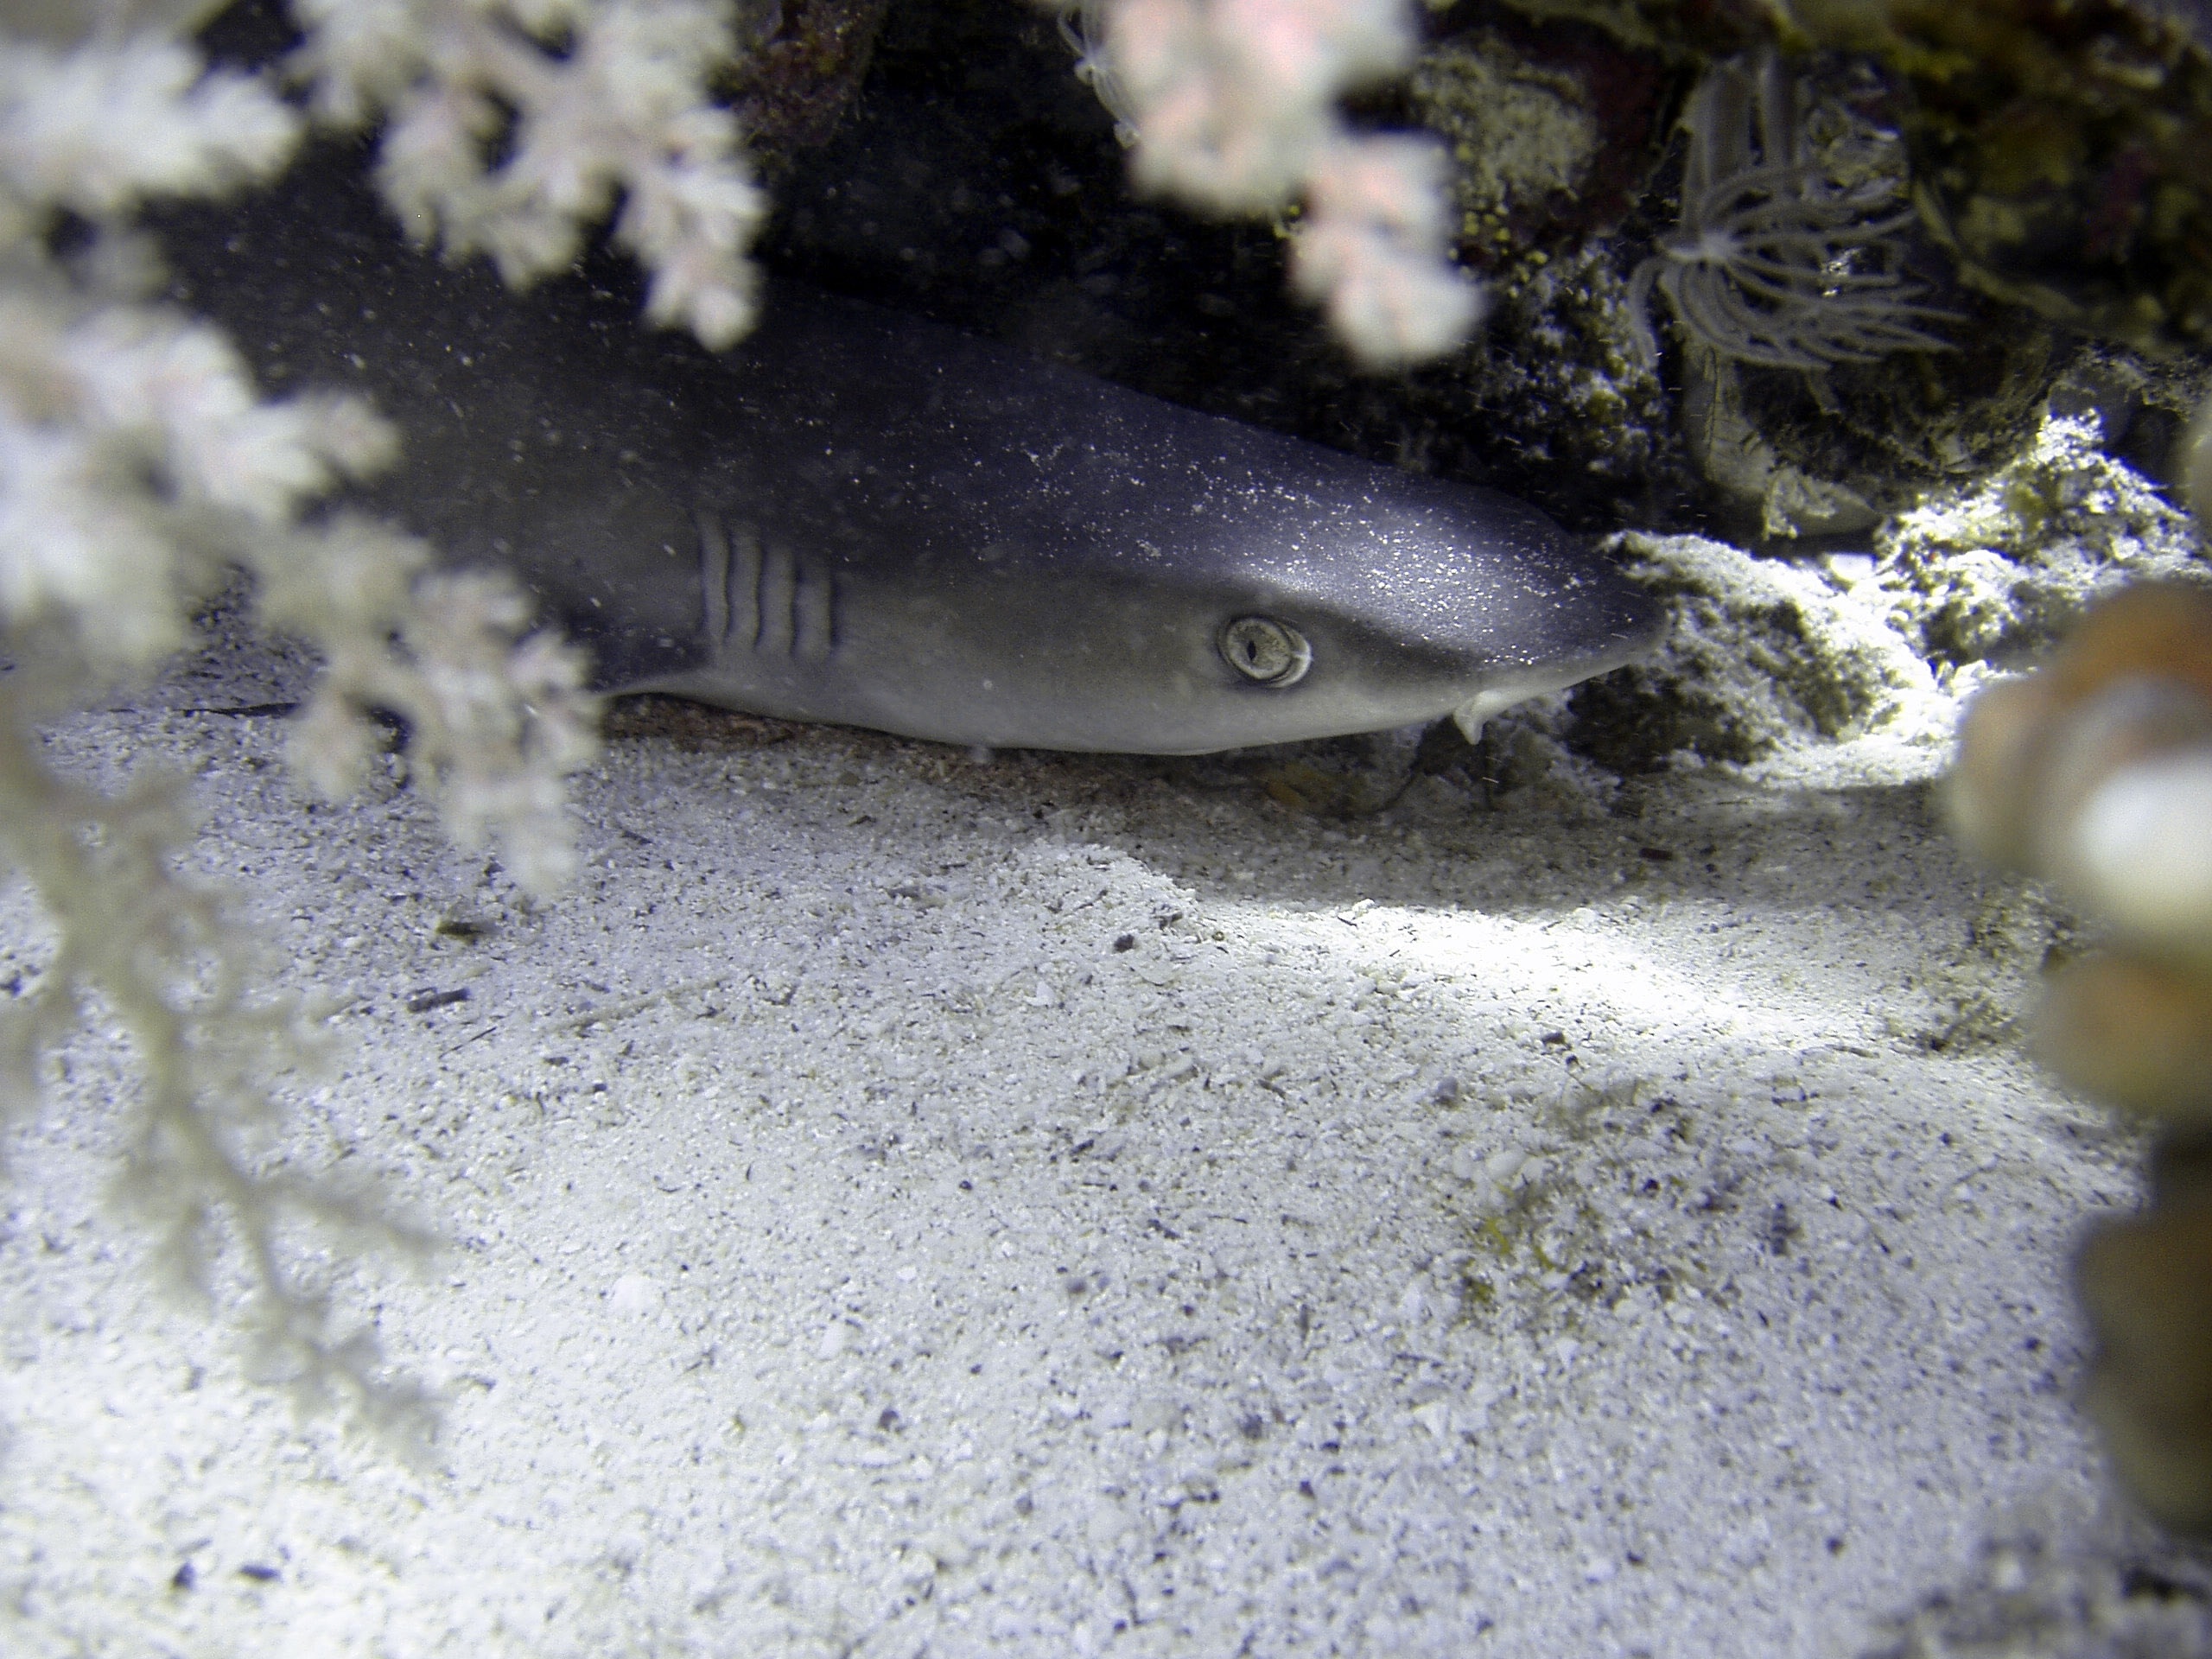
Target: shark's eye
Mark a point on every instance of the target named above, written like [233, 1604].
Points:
[1263, 650]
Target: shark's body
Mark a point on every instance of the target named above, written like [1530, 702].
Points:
[859, 517]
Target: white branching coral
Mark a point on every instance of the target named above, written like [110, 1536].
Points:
[588, 101]
[95, 130]
[1231, 106]
[141, 473]
[168, 960]
[496, 716]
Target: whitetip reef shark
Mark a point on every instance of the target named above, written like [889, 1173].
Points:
[860, 517]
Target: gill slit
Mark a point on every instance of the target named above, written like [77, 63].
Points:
[764, 601]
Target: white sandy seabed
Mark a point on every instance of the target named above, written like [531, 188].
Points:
[906, 1202]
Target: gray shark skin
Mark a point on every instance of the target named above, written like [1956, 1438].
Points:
[858, 516]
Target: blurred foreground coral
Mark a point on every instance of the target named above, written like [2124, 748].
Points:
[1231, 105]
[2096, 774]
[142, 474]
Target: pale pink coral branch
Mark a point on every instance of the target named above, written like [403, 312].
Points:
[1232, 106]
[1372, 250]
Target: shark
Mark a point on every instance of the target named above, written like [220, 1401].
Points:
[862, 517]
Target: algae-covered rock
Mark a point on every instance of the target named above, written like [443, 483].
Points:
[1553, 407]
[1994, 570]
[1835, 456]
[1553, 130]
[1762, 655]
[2058, 145]
[1521, 135]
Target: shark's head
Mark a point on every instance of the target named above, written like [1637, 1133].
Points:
[1438, 600]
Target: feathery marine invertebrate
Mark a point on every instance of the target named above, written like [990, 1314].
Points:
[1083, 26]
[1775, 261]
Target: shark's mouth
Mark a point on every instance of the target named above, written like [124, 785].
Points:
[1518, 685]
